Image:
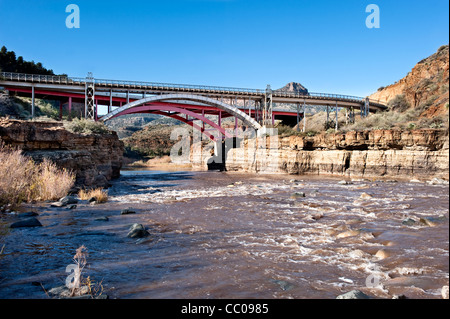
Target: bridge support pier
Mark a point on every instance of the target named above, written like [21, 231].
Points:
[70, 108]
[337, 115]
[365, 108]
[89, 98]
[33, 106]
[268, 106]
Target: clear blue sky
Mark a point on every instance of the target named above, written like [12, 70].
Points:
[325, 45]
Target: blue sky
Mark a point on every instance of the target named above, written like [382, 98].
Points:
[324, 44]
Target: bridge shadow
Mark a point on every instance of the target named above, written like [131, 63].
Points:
[218, 162]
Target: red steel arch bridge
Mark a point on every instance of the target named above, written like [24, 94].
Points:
[190, 104]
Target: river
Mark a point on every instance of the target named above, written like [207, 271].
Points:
[234, 235]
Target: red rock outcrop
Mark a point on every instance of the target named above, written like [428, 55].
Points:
[425, 86]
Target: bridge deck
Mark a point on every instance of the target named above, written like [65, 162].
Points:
[72, 85]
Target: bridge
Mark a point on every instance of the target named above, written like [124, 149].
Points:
[255, 108]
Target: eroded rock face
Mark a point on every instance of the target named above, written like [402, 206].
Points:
[420, 154]
[95, 158]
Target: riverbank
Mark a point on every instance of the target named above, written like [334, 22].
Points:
[235, 235]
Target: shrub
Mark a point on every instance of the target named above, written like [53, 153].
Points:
[22, 180]
[50, 182]
[399, 103]
[16, 177]
[84, 126]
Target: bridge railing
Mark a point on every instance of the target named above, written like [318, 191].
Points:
[61, 79]
[58, 79]
[37, 78]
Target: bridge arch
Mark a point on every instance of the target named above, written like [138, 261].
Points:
[173, 112]
[132, 107]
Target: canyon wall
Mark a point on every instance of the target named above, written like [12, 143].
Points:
[94, 158]
[422, 154]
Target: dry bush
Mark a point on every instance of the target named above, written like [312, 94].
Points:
[99, 194]
[84, 286]
[16, 177]
[52, 183]
[22, 180]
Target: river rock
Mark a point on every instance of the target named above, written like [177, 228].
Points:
[102, 219]
[29, 222]
[56, 204]
[27, 215]
[444, 292]
[382, 254]
[298, 195]
[409, 222]
[349, 233]
[432, 221]
[67, 200]
[366, 196]
[354, 294]
[127, 211]
[137, 231]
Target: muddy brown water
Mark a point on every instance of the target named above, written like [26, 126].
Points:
[234, 235]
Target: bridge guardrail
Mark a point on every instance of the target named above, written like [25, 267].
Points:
[58, 79]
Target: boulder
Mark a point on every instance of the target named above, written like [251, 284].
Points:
[409, 222]
[29, 222]
[349, 233]
[68, 200]
[366, 196]
[127, 211]
[354, 294]
[382, 254]
[137, 231]
[298, 195]
[27, 215]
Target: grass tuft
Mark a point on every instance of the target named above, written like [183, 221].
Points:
[99, 194]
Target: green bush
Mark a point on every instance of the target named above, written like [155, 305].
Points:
[84, 126]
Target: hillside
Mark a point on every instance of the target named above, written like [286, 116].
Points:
[425, 87]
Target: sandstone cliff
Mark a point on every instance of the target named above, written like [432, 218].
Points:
[422, 154]
[95, 158]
